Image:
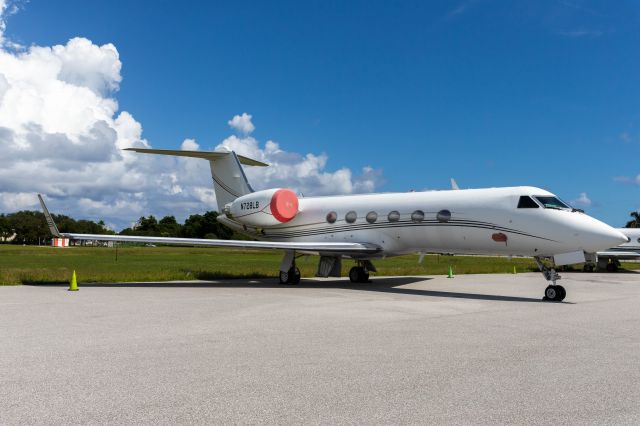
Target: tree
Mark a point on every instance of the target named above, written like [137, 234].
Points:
[30, 227]
[169, 226]
[68, 224]
[212, 226]
[5, 228]
[193, 226]
[145, 226]
[635, 223]
[205, 226]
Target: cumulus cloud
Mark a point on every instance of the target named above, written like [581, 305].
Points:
[3, 17]
[582, 201]
[306, 174]
[62, 134]
[242, 123]
[189, 145]
[17, 200]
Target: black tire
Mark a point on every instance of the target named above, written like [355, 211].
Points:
[551, 292]
[292, 276]
[354, 274]
[562, 293]
[358, 274]
[294, 273]
[284, 277]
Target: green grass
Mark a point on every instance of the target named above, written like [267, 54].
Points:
[31, 264]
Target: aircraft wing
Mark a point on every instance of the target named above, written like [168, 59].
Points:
[619, 254]
[302, 246]
[319, 247]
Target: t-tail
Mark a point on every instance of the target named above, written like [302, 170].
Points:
[229, 180]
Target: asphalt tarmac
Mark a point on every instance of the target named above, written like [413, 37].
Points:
[476, 349]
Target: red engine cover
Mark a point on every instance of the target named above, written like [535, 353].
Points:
[284, 205]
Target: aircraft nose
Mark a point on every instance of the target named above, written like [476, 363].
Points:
[594, 235]
[608, 237]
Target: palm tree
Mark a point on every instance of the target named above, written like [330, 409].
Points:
[635, 223]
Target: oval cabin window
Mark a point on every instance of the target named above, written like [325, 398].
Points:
[351, 217]
[372, 217]
[332, 217]
[394, 216]
[417, 216]
[443, 216]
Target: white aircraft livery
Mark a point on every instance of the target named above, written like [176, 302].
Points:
[515, 221]
[610, 259]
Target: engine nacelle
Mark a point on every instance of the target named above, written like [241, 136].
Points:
[264, 208]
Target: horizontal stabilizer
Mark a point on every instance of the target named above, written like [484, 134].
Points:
[207, 155]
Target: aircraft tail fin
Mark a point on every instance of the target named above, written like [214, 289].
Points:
[229, 180]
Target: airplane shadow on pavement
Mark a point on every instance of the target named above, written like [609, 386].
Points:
[381, 284]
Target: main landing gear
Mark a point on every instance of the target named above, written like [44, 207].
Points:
[553, 292]
[360, 273]
[292, 276]
[289, 273]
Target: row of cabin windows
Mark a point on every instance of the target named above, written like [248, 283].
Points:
[393, 216]
[525, 202]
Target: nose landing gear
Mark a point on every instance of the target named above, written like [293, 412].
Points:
[553, 292]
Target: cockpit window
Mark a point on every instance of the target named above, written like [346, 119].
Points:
[527, 202]
[552, 203]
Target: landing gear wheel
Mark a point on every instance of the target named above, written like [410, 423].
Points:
[588, 268]
[550, 293]
[556, 293]
[284, 277]
[358, 274]
[562, 293]
[296, 276]
[292, 276]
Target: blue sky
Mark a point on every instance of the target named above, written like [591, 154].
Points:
[493, 93]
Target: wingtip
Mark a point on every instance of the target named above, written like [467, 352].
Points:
[52, 225]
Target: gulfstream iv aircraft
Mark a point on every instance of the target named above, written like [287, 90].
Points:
[610, 259]
[517, 221]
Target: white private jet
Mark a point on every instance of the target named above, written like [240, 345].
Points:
[516, 221]
[610, 259]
